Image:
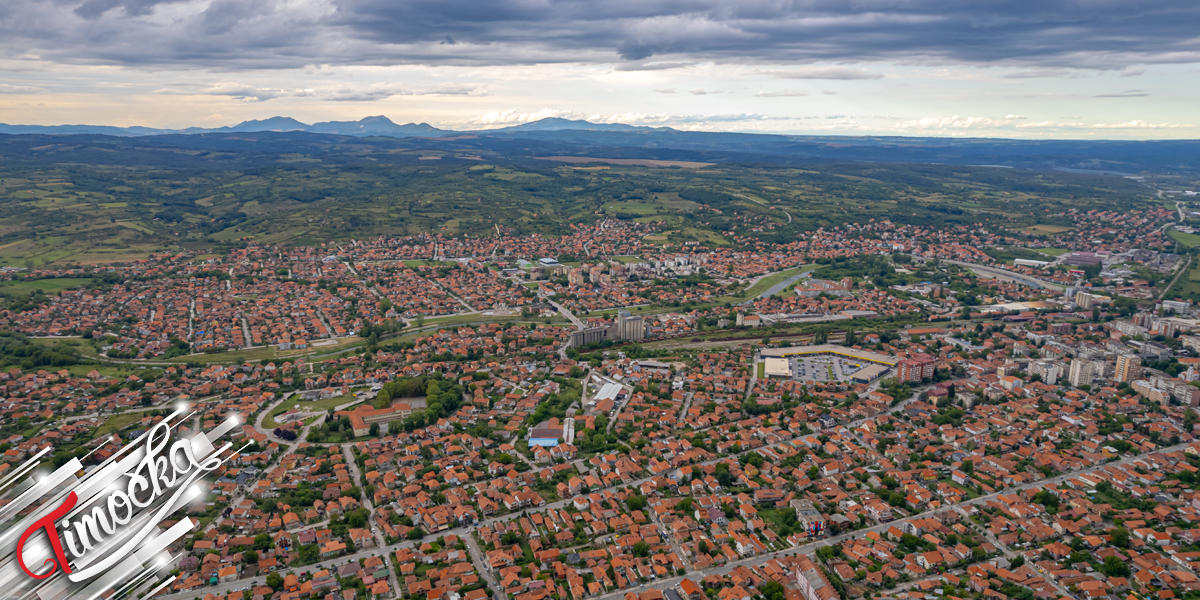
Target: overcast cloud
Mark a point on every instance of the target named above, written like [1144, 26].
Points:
[239, 34]
[342, 52]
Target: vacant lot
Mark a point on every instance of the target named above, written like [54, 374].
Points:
[1045, 229]
[49, 286]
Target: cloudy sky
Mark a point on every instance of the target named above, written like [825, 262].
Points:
[1013, 68]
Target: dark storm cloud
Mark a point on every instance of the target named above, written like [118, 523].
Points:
[235, 34]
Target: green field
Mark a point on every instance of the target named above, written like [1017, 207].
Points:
[753, 291]
[266, 353]
[765, 284]
[1187, 240]
[313, 406]
[118, 199]
[1052, 251]
[118, 422]
[1188, 285]
[1046, 229]
[644, 309]
[23, 287]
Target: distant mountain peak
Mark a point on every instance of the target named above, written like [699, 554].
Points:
[376, 125]
[369, 126]
[561, 124]
[276, 123]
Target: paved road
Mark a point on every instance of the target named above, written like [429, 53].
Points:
[760, 559]
[465, 532]
[482, 567]
[1184, 269]
[782, 285]
[359, 482]
[1010, 554]
[566, 313]
[1005, 273]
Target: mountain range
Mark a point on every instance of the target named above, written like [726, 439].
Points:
[367, 126]
[566, 137]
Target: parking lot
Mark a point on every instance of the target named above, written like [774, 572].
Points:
[824, 368]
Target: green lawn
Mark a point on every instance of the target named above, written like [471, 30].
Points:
[1187, 240]
[266, 353]
[314, 406]
[1188, 285]
[49, 286]
[1046, 229]
[118, 422]
[1052, 251]
[764, 284]
[753, 291]
[633, 310]
[110, 370]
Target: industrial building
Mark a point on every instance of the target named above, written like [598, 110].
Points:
[628, 327]
[587, 336]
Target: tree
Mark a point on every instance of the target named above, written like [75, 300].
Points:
[275, 581]
[1047, 499]
[771, 590]
[309, 553]
[383, 399]
[1119, 536]
[1114, 567]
